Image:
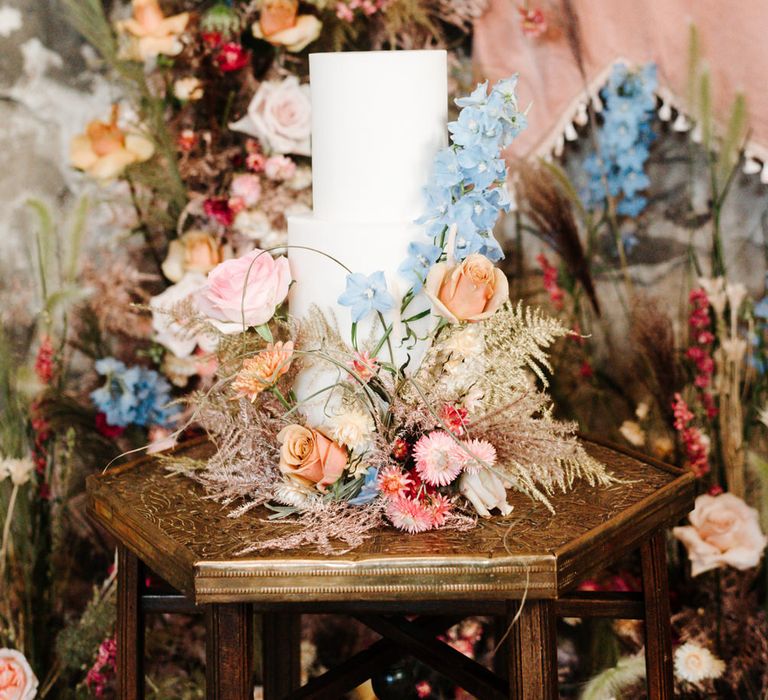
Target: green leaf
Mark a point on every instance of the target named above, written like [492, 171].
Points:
[264, 331]
[733, 140]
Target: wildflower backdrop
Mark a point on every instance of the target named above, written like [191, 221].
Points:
[138, 157]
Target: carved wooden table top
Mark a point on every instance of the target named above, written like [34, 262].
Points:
[192, 543]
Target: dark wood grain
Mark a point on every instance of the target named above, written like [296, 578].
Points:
[130, 627]
[229, 652]
[658, 639]
[281, 651]
[533, 651]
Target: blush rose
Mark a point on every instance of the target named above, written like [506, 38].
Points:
[245, 291]
[471, 290]
[17, 681]
[309, 457]
[724, 531]
[279, 115]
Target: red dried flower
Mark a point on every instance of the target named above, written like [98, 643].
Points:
[533, 22]
[556, 294]
[400, 449]
[218, 208]
[232, 57]
[107, 430]
[44, 361]
[186, 140]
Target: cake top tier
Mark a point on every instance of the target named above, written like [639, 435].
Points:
[378, 119]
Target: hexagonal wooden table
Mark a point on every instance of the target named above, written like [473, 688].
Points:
[532, 560]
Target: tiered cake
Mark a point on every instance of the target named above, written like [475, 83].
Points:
[378, 119]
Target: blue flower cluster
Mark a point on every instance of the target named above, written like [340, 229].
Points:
[133, 395]
[466, 187]
[624, 139]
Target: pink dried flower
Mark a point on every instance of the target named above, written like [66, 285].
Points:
[439, 507]
[532, 21]
[232, 57]
[255, 162]
[103, 669]
[454, 418]
[586, 370]
[409, 515]
[279, 168]
[400, 449]
[393, 482]
[700, 352]
[483, 451]
[44, 361]
[435, 459]
[423, 689]
[363, 365]
[186, 140]
[695, 442]
[246, 187]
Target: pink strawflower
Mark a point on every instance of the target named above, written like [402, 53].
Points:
[279, 168]
[454, 418]
[435, 458]
[394, 482]
[439, 507]
[483, 451]
[363, 365]
[409, 515]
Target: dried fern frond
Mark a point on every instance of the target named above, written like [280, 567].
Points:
[544, 203]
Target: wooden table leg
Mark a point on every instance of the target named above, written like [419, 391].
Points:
[130, 627]
[229, 651]
[281, 653]
[658, 628]
[533, 651]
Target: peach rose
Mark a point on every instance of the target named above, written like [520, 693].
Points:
[150, 33]
[724, 531]
[469, 291]
[194, 251]
[17, 681]
[263, 371]
[245, 291]
[280, 24]
[105, 150]
[308, 457]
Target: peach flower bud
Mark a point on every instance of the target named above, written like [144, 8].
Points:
[263, 371]
[194, 251]
[469, 291]
[309, 457]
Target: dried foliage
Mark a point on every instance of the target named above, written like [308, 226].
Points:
[550, 210]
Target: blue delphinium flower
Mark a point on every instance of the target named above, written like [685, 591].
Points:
[133, 395]
[370, 489]
[471, 197]
[623, 141]
[365, 294]
[421, 256]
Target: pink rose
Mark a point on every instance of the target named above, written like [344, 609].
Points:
[245, 291]
[279, 168]
[246, 187]
[470, 291]
[280, 116]
[724, 531]
[17, 681]
[309, 457]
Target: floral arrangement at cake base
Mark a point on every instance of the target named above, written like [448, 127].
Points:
[379, 442]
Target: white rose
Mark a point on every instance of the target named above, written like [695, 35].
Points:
[171, 334]
[485, 491]
[279, 115]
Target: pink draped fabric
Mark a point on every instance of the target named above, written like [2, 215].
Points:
[733, 39]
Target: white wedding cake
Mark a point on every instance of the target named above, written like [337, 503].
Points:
[378, 119]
